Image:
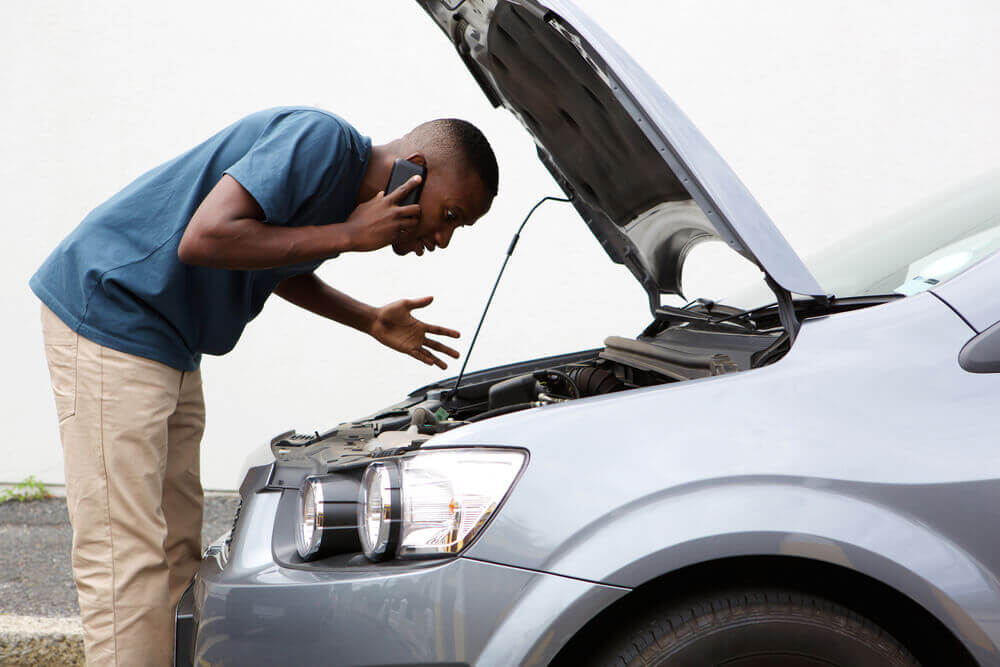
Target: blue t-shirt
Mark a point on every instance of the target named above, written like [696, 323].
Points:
[116, 278]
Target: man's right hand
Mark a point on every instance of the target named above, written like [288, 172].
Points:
[380, 221]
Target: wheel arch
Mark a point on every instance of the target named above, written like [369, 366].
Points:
[823, 526]
[926, 636]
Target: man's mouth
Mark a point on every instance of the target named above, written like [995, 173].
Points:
[420, 245]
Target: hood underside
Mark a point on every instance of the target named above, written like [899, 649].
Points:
[644, 179]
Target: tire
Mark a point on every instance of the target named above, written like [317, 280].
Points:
[751, 628]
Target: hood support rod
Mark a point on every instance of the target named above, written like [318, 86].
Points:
[510, 251]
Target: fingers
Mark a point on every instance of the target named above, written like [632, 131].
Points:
[409, 212]
[441, 331]
[428, 358]
[418, 303]
[404, 225]
[440, 347]
[403, 189]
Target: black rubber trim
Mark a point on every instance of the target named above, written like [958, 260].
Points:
[185, 630]
[952, 309]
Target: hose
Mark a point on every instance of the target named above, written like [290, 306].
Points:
[541, 376]
[499, 411]
[595, 381]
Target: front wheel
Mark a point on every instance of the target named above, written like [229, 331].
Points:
[752, 628]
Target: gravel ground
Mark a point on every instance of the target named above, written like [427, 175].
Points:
[30, 641]
[35, 536]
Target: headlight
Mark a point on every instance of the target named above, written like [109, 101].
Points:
[326, 518]
[378, 510]
[433, 503]
[310, 513]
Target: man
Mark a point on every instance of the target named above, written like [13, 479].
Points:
[174, 266]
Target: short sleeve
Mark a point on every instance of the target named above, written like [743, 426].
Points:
[290, 162]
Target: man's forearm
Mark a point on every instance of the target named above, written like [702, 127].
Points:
[227, 230]
[309, 292]
[248, 244]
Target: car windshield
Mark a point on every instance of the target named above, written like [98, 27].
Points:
[905, 253]
[918, 247]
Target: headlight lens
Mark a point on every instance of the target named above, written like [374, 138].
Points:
[310, 518]
[378, 510]
[442, 500]
[327, 516]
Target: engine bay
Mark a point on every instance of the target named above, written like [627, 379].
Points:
[701, 340]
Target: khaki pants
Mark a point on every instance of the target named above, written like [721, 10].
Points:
[130, 430]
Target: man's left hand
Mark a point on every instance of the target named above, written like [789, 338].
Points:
[394, 326]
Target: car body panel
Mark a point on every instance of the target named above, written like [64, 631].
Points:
[250, 611]
[664, 149]
[549, 612]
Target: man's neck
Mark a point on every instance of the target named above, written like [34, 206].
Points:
[377, 173]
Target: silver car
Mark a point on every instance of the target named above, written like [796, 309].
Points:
[805, 474]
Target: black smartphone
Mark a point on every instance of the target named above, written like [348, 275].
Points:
[402, 171]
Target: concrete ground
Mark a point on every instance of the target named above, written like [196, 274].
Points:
[39, 616]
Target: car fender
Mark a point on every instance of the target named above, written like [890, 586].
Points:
[812, 519]
[547, 614]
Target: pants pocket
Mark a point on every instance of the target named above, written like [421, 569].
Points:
[62, 372]
[61, 345]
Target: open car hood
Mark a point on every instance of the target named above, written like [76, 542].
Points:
[643, 178]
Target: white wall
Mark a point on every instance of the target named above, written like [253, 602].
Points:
[833, 113]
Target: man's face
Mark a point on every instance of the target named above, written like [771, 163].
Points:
[452, 197]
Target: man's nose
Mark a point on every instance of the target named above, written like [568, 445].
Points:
[443, 237]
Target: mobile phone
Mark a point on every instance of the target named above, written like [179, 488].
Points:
[402, 171]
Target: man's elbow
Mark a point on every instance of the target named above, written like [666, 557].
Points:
[194, 248]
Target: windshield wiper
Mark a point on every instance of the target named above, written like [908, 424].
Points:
[674, 314]
[813, 307]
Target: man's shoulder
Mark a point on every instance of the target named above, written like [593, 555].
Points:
[312, 115]
[323, 130]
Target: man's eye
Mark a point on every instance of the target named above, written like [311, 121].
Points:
[450, 216]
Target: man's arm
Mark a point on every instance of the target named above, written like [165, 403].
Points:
[392, 325]
[227, 230]
[309, 292]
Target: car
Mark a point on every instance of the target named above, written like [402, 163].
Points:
[804, 474]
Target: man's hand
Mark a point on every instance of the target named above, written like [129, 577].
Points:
[394, 326]
[380, 221]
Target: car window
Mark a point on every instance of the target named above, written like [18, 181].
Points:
[905, 253]
[918, 247]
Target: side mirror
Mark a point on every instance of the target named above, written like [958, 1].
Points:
[982, 353]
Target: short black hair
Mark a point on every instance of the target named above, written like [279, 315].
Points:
[461, 136]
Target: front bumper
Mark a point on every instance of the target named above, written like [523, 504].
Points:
[249, 609]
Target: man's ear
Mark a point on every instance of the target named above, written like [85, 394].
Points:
[418, 158]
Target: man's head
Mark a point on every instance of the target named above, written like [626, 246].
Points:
[461, 181]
